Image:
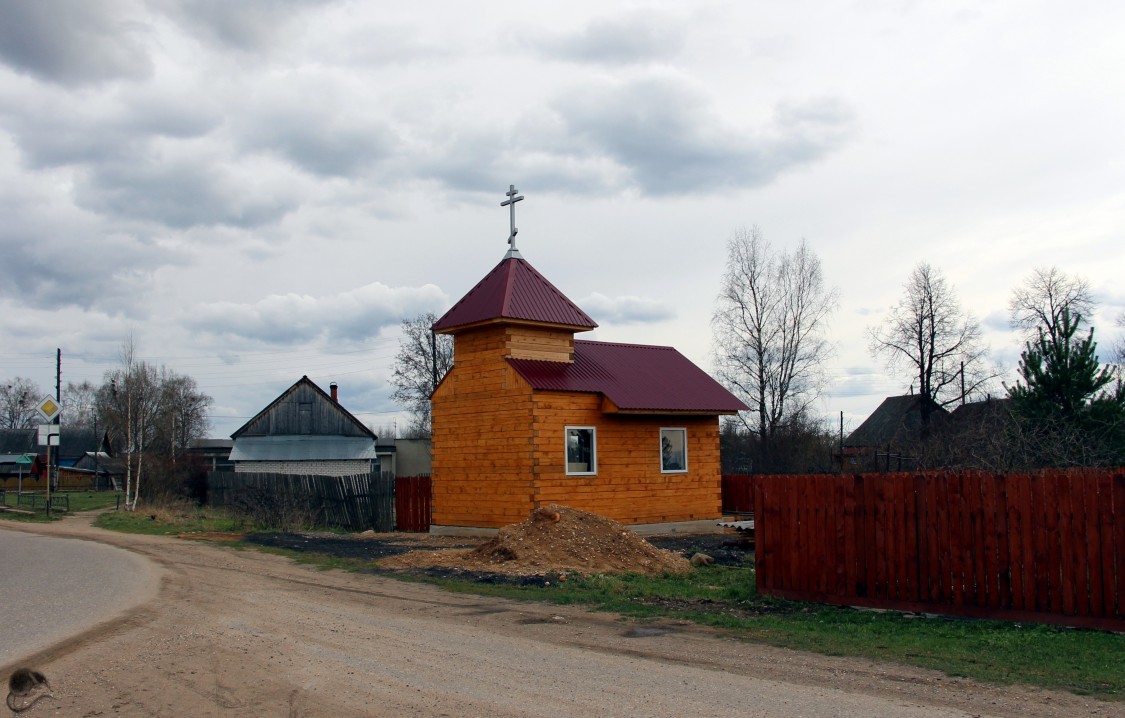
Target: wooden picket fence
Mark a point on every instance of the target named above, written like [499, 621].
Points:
[355, 503]
[1045, 546]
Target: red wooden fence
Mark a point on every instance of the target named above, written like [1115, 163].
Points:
[1046, 546]
[413, 503]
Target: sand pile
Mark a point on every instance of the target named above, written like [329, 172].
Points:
[554, 538]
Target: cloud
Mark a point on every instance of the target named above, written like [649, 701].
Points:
[53, 131]
[635, 37]
[997, 321]
[186, 191]
[313, 121]
[246, 25]
[74, 43]
[625, 310]
[298, 318]
[667, 140]
[55, 255]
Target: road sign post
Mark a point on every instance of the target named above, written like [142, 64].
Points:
[22, 460]
[49, 409]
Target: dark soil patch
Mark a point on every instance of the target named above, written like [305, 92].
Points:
[363, 546]
[728, 549]
[543, 580]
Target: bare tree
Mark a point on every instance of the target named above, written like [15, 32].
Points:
[928, 335]
[80, 401]
[414, 377]
[1039, 303]
[768, 331]
[181, 415]
[129, 401]
[18, 399]
[1119, 352]
[155, 413]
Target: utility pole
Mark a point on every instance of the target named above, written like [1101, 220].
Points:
[58, 419]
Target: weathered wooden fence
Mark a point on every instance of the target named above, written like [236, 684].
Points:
[356, 503]
[1046, 546]
[413, 502]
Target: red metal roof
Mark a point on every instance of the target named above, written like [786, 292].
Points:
[634, 377]
[514, 290]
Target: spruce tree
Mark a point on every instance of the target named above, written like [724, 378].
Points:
[1067, 416]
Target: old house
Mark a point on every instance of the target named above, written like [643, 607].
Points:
[305, 431]
[891, 437]
[529, 416]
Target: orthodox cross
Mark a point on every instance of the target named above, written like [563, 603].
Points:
[510, 203]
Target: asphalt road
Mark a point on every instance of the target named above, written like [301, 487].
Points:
[55, 588]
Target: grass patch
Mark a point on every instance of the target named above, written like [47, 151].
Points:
[171, 519]
[63, 504]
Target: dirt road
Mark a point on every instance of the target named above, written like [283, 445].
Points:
[240, 633]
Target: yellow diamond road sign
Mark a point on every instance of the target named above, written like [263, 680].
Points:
[49, 408]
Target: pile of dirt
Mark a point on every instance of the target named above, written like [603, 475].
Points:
[554, 538]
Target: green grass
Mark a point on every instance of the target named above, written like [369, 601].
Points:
[78, 500]
[170, 520]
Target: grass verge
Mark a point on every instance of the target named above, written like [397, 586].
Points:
[169, 520]
[76, 500]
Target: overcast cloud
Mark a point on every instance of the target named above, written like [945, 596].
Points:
[263, 189]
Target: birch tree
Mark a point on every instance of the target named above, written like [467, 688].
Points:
[769, 329]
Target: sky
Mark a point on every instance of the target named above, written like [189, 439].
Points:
[261, 190]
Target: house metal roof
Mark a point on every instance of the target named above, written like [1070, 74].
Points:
[303, 448]
[635, 377]
[514, 290]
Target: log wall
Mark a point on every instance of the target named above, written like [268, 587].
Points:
[499, 447]
[629, 486]
[482, 436]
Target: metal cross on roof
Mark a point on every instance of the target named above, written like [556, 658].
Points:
[510, 203]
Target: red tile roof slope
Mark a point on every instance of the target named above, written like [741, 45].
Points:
[514, 290]
[634, 377]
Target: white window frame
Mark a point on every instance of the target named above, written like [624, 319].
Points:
[593, 450]
[683, 431]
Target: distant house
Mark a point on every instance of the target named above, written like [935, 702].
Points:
[212, 454]
[76, 445]
[889, 437]
[305, 431]
[405, 457]
[529, 416]
[15, 445]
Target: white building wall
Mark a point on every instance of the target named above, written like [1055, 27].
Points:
[318, 468]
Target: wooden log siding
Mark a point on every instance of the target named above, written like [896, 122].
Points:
[629, 486]
[1046, 546]
[356, 503]
[499, 447]
[481, 436]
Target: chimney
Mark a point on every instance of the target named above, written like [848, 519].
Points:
[335, 392]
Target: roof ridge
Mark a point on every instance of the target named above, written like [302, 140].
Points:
[626, 344]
